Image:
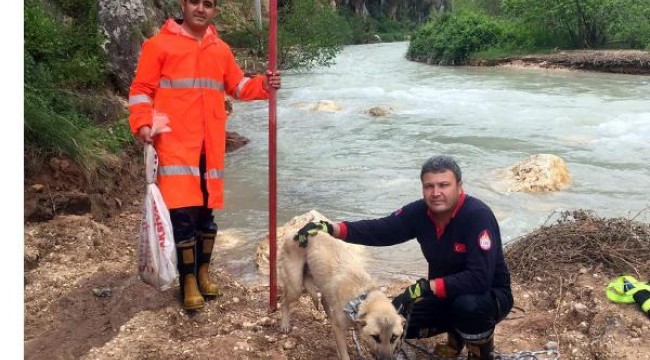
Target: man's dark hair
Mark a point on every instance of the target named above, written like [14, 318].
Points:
[439, 164]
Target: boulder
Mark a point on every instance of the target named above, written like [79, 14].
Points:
[321, 105]
[235, 141]
[325, 105]
[286, 233]
[125, 24]
[380, 110]
[539, 173]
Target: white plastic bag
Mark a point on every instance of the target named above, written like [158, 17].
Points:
[157, 250]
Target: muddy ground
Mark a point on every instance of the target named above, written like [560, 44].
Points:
[83, 298]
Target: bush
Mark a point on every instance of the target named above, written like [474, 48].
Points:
[496, 28]
[452, 38]
[63, 59]
[69, 48]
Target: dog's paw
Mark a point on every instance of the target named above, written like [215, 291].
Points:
[285, 326]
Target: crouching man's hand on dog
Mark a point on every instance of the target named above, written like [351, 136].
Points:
[415, 292]
[311, 229]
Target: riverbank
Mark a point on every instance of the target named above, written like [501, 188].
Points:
[635, 62]
[84, 299]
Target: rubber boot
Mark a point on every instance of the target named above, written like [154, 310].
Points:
[455, 341]
[192, 299]
[481, 349]
[452, 348]
[206, 244]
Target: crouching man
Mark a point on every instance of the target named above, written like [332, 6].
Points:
[467, 290]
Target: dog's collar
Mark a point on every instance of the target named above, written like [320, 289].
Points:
[352, 307]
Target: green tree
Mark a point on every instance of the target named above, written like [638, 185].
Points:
[586, 23]
[632, 28]
[490, 7]
[310, 33]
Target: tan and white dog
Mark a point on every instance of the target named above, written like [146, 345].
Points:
[348, 294]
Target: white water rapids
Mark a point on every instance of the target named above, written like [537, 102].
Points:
[349, 165]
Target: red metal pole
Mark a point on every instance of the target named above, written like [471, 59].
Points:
[273, 46]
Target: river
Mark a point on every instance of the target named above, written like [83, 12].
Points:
[349, 165]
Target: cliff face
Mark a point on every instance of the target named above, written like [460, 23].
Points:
[125, 24]
[414, 10]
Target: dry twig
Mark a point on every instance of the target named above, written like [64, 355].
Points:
[582, 240]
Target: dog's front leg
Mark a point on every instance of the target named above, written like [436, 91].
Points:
[285, 323]
[339, 336]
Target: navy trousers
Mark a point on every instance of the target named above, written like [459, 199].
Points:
[189, 222]
[472, 316]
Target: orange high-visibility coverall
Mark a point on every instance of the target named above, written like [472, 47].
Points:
[187, 80]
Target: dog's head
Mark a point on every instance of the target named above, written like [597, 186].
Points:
[380, 325]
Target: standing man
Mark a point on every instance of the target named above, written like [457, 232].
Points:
[467, 291]
[184, 73]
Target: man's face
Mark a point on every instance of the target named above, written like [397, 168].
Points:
[198, 14]
[441, 191]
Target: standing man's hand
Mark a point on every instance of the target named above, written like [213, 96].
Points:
[272, 79]
[160, 124]
[144, 134]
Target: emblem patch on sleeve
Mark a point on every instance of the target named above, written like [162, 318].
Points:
[484, 241]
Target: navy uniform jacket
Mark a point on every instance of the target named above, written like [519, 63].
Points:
[465, 256]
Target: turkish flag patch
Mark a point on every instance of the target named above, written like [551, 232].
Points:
[484, 241]
[459, 248]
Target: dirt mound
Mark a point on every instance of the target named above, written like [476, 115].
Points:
[560, 273]
[59, 186]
